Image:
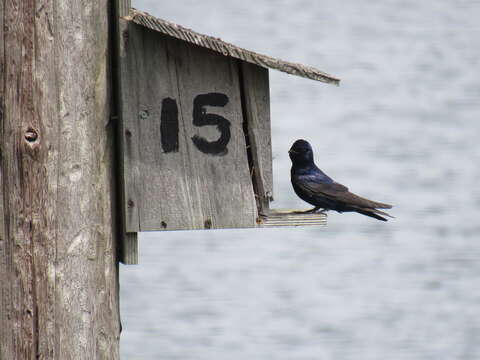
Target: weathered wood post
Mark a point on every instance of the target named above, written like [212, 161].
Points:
[58, 265]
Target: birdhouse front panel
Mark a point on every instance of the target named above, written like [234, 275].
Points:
[184, 144]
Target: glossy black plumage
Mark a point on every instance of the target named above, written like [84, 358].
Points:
[315, 187]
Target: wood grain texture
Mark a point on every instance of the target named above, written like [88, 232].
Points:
[130, 43]
[129, 251]
[187, 189]
[123, 7]
[281, 218]
[220, 187]
[256, 102]
[224, 48]
[59, 291]
[6, 340]
[163, 176]
[126, 35]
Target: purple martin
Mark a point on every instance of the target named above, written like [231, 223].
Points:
[315, 187]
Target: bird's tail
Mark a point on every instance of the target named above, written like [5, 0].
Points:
[374, 213]
[379, 205]
[365, 203]
[372, 204]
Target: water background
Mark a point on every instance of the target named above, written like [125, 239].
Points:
[402, 128]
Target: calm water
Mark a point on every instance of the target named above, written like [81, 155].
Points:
[402, 128]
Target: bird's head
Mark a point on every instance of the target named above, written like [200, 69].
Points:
[301, 152]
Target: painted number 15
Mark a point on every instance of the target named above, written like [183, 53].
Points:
[169, 127]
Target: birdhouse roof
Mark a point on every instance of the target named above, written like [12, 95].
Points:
[227, 49]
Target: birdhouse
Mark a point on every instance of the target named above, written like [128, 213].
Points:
[195, 136]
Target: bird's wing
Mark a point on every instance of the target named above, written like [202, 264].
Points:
[314, 186]
[338, 192]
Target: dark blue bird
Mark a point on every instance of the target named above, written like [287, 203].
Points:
[315, 187]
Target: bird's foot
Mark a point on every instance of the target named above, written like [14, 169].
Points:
[312, 211]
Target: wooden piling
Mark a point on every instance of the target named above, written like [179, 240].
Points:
[58, 265]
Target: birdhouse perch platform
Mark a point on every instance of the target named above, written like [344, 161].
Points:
[195, 133]
[280, 218]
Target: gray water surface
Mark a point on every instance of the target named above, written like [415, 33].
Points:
[402, 128]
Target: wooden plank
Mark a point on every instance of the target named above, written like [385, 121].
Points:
[256, 102]
[129, 250]
[129, 60]
[224, 48]
[123, 7]
[188, 188]
[165, 193]
[59, 297]
[126, 108]
[281, 218]
[46, 105]
[6, 339]
[220, 185]
[2, 106]
[86, 319]
[20, 204]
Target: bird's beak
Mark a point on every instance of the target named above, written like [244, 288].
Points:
[291, 151]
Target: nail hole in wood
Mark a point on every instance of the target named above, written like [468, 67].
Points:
[208, 224]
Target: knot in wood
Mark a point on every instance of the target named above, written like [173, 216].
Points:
[31, 135]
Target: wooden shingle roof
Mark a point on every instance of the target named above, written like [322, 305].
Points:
[227, 49]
